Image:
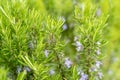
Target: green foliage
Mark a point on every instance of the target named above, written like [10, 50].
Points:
[57, 40]
[3, 74]
[21, 75]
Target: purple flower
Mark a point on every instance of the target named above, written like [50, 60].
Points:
[52, 72]
[68, 62]
[79, 71]
[77, 43]
[95, 67]
[92, 69]
[98, 63]
[27, 69]
[100, 75]
[98, 52]
[64, 27]
[98, 12]
[79, 46]
[84, 76]
[46, 53]
[19, 69]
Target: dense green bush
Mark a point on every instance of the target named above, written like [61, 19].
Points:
[54, 40]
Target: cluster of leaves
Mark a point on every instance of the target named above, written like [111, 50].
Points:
[91, 23]
[36, 45]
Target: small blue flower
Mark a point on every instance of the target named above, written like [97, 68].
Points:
[19, 69]
[93, 69]
[77, 43]
[68, 62]
[98, 12]
[51, 72]
[84, 76]
[98, 63]
[46, 52]
[100, 75]
[79, 71]
[79, 46]
[27, 69]
[64, 27]
[98, 52]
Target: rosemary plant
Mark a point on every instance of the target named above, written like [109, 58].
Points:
[43, 40]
